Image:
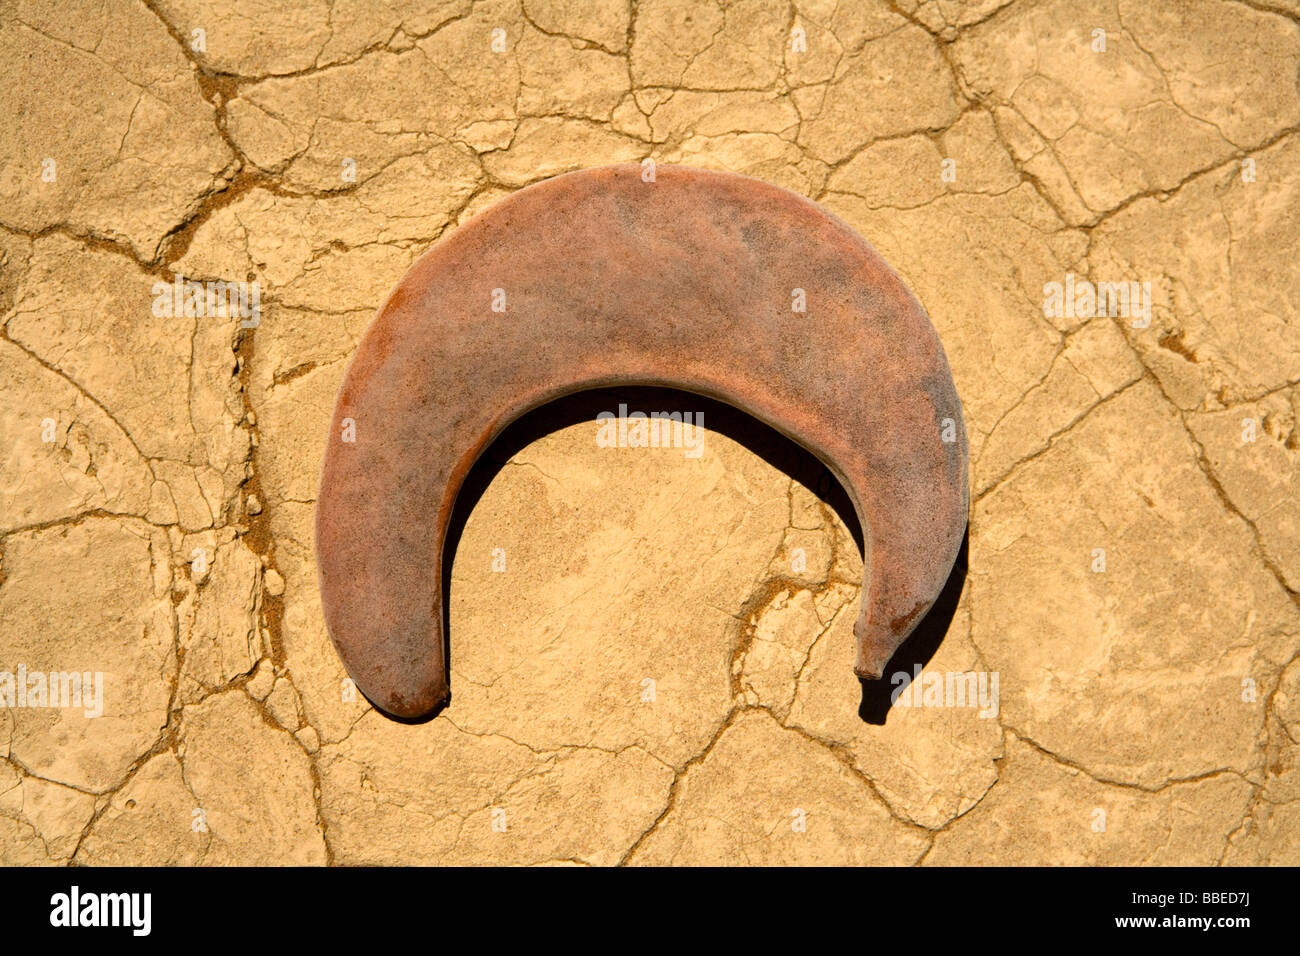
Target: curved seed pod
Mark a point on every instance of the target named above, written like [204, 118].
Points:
[595, 279]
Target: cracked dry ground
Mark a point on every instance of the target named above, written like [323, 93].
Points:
[1164, 691]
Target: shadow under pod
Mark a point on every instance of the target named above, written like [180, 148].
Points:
[760, 439]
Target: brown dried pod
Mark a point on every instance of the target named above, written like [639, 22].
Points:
[688, 279]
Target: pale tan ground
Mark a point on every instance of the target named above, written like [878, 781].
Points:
[227, 737]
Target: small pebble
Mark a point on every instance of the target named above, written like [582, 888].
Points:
[274, 582]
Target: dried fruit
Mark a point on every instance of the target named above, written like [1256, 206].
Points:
[708, 282]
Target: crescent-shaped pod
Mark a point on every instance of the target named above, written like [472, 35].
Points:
[601, 278]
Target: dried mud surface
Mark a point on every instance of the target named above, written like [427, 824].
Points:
[662, 673]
